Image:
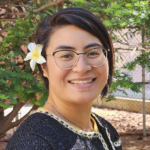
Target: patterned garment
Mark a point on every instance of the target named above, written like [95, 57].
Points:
[45, 131]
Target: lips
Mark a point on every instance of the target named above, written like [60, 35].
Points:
[80, 82]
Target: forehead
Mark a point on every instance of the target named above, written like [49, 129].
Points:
[71, 35]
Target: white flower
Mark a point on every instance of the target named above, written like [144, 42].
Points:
[35, 55]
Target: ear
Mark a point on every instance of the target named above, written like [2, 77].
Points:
[44, 69]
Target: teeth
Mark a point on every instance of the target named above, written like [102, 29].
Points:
[81, 82]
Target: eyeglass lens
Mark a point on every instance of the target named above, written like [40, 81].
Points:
[67, 59]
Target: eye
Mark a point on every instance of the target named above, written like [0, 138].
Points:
[67, 56]
[64, 55]
[93, 54]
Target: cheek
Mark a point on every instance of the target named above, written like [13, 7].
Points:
[104, 70]
[56, 75]
[103, 74]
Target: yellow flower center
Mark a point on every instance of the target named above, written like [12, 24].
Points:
[35, 53]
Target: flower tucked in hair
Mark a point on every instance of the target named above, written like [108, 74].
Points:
[35, 55]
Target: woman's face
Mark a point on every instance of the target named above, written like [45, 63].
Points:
[72, 86]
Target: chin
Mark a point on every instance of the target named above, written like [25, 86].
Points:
[84, 98]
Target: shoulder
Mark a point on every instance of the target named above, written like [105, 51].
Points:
[38, 123]
[42, 131]
[34, 123]
[28, 134]
[108, 129]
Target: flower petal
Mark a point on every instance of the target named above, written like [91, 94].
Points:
[29, 56]
[40, 47]
[31, 46]
[41, 60]
[32, 64]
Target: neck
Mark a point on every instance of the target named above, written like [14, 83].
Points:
[78, 114]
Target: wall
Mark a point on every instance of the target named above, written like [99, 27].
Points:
[127, 104]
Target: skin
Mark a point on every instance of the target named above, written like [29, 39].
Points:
[73, 102]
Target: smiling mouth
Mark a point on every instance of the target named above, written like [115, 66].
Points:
[82, 82]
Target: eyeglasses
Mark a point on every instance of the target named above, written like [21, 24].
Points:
[67, 59]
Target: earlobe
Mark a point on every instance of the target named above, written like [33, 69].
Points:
[44, 69]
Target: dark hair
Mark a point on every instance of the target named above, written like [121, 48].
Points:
[82, 19]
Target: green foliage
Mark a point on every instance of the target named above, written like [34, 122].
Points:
[142, 60]
[127, 14]
[17, 81]
[123, 81]
[110, 97]
[18, 84]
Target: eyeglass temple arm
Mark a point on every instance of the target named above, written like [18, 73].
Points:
[50, 54]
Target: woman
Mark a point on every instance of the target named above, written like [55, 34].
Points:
[76, 61]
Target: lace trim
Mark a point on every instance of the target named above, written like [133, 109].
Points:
[112, 144]
[79, 132]
[117, 143]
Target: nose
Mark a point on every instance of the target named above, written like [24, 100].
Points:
[81, 66]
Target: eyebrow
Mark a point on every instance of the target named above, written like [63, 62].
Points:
[64, 47]
[92, 45]
[72, 48]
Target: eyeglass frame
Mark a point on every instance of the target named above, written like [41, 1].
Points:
[106, 49]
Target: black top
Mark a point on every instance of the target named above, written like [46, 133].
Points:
[45, 131]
